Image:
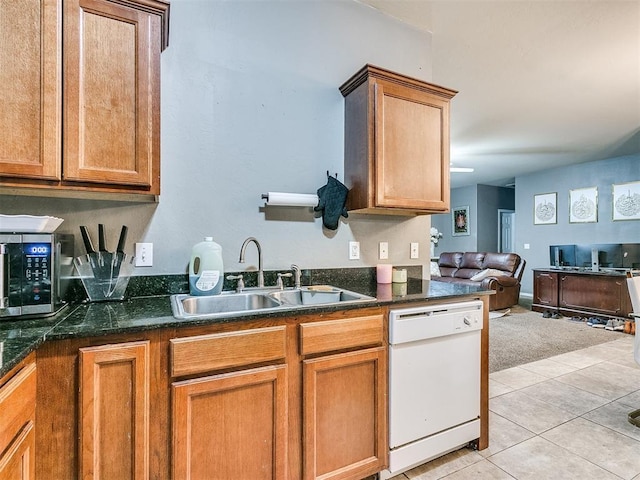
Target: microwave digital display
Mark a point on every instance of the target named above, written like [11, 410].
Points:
[37, 249]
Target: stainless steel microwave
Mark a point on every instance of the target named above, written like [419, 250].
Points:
[35, 270]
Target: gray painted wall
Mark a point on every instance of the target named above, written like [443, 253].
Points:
[484, 202]
[490, 200]
[601, 174]
[250, 104]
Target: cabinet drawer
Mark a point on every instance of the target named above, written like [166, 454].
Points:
[333, 335]
[205, 353]
[17, 404]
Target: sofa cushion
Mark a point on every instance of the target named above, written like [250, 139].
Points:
[472, 260]
[502, 261]
[449, 262]
[488, 272]
[470, 264]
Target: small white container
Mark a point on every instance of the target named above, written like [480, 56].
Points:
[399, 275]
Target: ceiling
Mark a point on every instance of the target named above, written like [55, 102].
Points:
[541, 83]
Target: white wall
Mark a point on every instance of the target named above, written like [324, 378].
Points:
[250, 104]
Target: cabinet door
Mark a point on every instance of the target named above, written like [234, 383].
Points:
[17, 423]
[111, 95]
[545, 289]
[18, 461]
[344, 415]
[595, 293]
[114, 411]
[412, 148]
[231, 426]
[30, 89]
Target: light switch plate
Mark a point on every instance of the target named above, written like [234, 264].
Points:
[383, 250]
[354, 250]
[144, 254]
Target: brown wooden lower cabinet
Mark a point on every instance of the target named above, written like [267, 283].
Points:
[17, 422]
[114, 411]
[581, 293]
[344, 415]
[18, 462]
[545, 289]
[231, 426]
[233, 400]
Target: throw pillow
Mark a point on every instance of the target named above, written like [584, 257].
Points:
[487, 272]
[435, 269]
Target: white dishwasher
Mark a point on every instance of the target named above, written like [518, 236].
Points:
[434, 382]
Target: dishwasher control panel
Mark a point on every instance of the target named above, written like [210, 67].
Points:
[431, 321]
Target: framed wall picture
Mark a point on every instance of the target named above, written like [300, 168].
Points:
[583, 205]
[545, 210]
[626, 201]
[460, 219]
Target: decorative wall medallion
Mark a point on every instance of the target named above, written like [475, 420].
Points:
[626, 201]
[544, 208]
[583, 205]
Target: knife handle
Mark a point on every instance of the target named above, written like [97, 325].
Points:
[122, 240]
[86, 239]
[102, 244]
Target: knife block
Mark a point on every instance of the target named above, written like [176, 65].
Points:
[104, 275]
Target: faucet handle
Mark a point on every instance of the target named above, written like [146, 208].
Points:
[240, 285]
[279, 282]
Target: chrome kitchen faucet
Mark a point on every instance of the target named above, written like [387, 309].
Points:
[260, 271]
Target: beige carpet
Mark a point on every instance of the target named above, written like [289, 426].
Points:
[523, 336]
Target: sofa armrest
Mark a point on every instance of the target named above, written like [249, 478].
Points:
[492, 283]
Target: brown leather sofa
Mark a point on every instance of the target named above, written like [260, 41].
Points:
[501, 272]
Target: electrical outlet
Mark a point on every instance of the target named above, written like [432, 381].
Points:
[354, 250]
[415, 250]
[144, 254]
[383, 250]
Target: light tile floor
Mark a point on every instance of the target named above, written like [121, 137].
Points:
[564, 417]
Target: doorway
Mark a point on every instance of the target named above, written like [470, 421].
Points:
[506, 226]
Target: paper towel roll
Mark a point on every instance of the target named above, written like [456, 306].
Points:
[291, 199]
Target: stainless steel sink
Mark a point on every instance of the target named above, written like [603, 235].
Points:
[260, 300]
[326, 296]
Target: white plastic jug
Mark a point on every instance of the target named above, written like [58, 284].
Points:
[206, 270]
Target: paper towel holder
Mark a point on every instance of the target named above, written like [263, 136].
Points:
[290, 199]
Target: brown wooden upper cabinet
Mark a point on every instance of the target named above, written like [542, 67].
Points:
[80, 95]
[396, 143]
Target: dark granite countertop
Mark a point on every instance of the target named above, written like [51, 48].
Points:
[18, 338]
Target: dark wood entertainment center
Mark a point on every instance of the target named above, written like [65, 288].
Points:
[581, 292]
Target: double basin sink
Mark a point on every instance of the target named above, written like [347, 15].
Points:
[262, 300]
